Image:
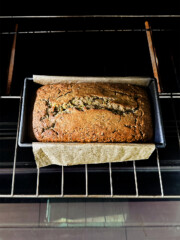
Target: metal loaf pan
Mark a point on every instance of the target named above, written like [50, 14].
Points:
[26, 136]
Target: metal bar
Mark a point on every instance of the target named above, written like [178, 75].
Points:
[111, 181]
[14, 168]
[10, 97]
[173, 95]
[94, 16]
[85, 30]
[169, 96]
[165, 97]
[152, 52]
[15, 151]
[91, 196]
[138, 169]
[135, 178]
[37, 183]
[62, 182]
[86, 178]
[159, 172]
[11, 64]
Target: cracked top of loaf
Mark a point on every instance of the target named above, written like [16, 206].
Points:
[92, 112]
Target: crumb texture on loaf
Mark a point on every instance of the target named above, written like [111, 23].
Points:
[92, 112]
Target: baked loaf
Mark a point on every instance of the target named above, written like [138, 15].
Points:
[92, 112]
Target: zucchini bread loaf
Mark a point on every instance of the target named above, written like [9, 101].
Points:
[92, 112]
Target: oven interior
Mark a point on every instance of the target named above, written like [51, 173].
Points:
[88, 46]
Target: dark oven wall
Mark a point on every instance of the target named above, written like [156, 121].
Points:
[89, 8]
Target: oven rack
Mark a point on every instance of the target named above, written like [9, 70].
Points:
[134, 169]
[87, 23]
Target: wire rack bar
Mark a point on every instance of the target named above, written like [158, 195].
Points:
[159, 173]
[15, 151]
[37, 183]
[111, 181]
[94, 16]
[135, 179]
[87, 195]
[91, 196]
[10, 97]
[86, 179]
[85, 30]
[14, 169]
[28, 170]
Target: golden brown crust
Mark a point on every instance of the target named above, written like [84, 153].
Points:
[92, 112]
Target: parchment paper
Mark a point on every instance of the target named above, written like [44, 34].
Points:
[43, 79]
[67, 154]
